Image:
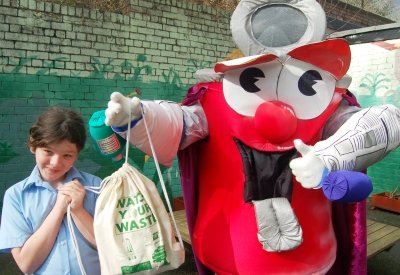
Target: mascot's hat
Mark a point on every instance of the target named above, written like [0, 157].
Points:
[332, 56]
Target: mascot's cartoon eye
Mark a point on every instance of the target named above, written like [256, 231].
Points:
[307, 81]
[249, 77]
[248, 87]
[306, 88]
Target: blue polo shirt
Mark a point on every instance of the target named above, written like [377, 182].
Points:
[26, 205]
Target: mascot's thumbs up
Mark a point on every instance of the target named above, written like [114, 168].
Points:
[309, 170]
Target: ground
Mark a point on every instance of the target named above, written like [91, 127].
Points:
[387, 262]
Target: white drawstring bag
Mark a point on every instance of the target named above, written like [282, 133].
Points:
[133, 230]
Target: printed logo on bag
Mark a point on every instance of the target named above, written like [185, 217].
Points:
[129, 249]
[134, 213]
[159, 256]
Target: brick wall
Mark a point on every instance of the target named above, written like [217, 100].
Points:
[61, 55]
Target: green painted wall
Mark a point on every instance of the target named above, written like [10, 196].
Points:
[375, 69]
[60, 55]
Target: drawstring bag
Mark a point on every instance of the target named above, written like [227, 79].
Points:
[133, 230]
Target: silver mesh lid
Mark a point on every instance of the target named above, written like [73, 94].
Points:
[271, 26]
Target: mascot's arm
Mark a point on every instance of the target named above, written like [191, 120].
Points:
[365, 138]
[169, 124]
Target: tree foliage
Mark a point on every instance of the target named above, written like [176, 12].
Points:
[384, 8]
[117, 6]
[228, 5]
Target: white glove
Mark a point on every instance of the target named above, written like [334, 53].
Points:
[119, 106]
[308, 169]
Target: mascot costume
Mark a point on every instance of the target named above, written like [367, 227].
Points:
[271, 147]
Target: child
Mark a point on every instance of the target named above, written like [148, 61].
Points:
[34, 221]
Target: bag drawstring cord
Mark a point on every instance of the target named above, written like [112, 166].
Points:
[98, 190]
[74, 241]
[161, 180]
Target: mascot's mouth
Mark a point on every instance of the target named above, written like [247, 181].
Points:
[267, 174]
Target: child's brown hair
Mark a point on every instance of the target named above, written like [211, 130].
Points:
[55, 125]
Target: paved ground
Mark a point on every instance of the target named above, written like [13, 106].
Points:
[384, 263]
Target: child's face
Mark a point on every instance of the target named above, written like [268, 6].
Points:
[55, 160]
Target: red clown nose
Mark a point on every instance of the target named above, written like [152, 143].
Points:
[275, 121]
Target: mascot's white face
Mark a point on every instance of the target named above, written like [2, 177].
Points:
[307, 89]
[287, 97]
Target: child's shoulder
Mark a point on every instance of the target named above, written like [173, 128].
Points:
[19, 187]
[89, 179]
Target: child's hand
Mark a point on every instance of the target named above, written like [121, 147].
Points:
[75, 191]
[62, 203]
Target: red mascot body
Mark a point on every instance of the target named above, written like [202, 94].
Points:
[240, 148]
[225, 232]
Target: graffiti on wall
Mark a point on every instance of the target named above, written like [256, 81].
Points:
[379, 83]
[89, 89]
[6, 152]
[86, 92]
